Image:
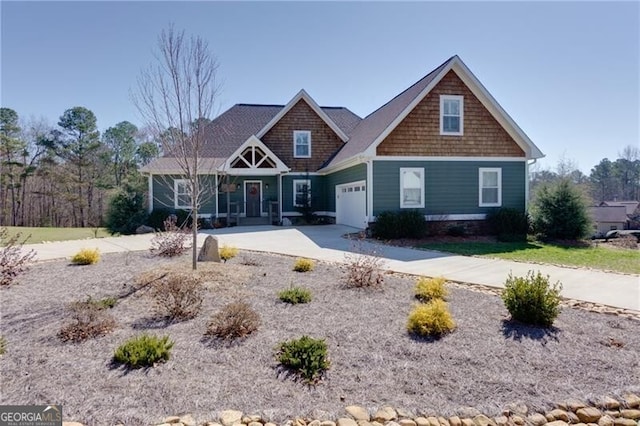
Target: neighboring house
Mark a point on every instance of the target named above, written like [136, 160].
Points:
[444, 146]
[632, 210]
[607, 218]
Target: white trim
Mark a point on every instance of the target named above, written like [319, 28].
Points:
[446, 217]
[485, 98]
[416, 158]
[253, 142]
[280, 197]
[369, 184]
[244, 188]
[319, 213]
[150, 189]
[481, 171]
[304, 174]
[177, 182]
[404, 170]
[295, 145]
[460, 99]
[295, 181]
[217, 192]
[302, 94]
[353, 161]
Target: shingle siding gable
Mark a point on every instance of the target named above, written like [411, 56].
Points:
[324, 142]
[419, 133]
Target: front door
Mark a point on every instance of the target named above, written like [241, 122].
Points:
[253, 196]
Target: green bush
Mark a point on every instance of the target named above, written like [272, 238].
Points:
[560, 212]
[456, 231]
[403, 224]
[430, 288]
[306, 356]
[532, 299]
[143, 351]
[227, 252]
[303, 265]
[295, 295]
[509, 224]
[126, 212]
[158, 216]
[431, 319]
[86, 257]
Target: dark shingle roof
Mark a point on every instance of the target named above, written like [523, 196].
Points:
[234, 126]
[375, 123]
[630, 206]
[608, 213]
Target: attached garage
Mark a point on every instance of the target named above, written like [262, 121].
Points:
[351, 204]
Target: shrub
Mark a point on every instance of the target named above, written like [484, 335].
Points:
[104, 303]
[86, 257]
[531, 299]
[386, 226]
[560, 212]
[172, 242]
[3, 345]
[178, 295]
[228, 253]
[363, 269]
[157, 217]
[126, 211]
[306, 356]
[431, 319]
[90, 319]
[456, 231]
[295, 295]
[509, 224]
[143, 351]
[235, 320]
[430, 288]
[303, 265]
[13, 260]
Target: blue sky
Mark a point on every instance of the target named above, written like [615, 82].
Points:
[567, 72]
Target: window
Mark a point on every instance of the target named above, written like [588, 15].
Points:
[302, 144]
[301, 189]
[451, 115]
[181, 194]
[490, 191]
[411, 188]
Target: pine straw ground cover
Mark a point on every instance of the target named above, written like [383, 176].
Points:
[486, 363]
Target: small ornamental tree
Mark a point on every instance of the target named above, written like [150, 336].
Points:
[560, 212]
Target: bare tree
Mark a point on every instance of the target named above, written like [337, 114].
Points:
[175, 97]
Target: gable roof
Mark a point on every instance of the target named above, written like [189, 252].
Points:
[254, 142]
[303, 95]
[630, 206]
[376, 126]
[608, 213]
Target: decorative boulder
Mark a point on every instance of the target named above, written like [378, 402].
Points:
[144, 229]
[209, 251]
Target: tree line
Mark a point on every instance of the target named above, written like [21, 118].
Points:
[64, 175]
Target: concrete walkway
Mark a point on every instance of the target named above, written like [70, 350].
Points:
[326, 243]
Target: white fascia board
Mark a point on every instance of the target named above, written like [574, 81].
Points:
[416, 158]
[349, 162]
[302, 94]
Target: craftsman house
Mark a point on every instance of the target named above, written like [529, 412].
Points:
[444, 146]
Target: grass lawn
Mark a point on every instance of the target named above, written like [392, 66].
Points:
[606, 258]
[39, 235]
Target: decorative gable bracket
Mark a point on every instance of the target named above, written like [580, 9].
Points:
[251, 158]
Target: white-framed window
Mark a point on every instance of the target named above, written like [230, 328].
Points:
[451, 115]
[302, 144]
[181, 194]
[490, 187]
[411, 187]
[301, 189]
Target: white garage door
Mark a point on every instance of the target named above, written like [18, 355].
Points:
[351, 202]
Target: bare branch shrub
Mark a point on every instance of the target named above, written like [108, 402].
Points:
[178, 295]
[90, 319]
[363, 268]
[234, 321]
[172, 242]
[13, 261]
[625, 241]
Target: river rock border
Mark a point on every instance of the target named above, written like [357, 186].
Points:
[607, 411]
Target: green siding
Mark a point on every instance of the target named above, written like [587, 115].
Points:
[270, 194]
[163, 192]
[451, 187]
[352, 174]
[318, 192]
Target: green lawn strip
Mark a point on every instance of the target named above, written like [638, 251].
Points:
[605, 258]
[39, 235]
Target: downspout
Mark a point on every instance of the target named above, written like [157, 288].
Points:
[150, 183]
[526, 183]
[369, 189]
[280, 196]
[217, 195]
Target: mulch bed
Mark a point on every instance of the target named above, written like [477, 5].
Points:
[487, 363]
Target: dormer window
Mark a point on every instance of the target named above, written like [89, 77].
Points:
[302, 144]
[451, 115]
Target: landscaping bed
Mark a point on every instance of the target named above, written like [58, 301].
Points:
[487, 363]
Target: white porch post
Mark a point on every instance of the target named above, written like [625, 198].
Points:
[150, 192]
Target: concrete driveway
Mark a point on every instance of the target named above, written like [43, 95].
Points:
[327, 243]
